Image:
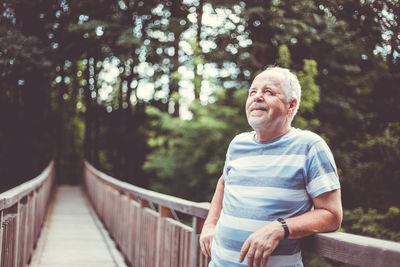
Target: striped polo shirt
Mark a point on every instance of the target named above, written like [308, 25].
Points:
[265, 181]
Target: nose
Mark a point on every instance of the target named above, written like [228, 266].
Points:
[259, 97]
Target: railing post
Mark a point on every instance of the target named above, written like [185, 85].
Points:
[26, 232]
[140, 228]
[21, 232]
[17, 219]
[194, 243]
[1, 234]
[32, 226]
[164, 212]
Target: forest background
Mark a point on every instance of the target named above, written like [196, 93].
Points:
[151, 92]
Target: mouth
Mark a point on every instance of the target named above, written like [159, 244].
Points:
[258, 108]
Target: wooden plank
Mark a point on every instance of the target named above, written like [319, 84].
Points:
[125, 224]
[181, 247]
[135, 237]
[31, 222]
[119, 219]
[154, 229]
[138, 240]
[194, 256]
[17, 233]
[354, 249]
[160, 241]
[22, 233]
[187, 248]
[168, 247]
[130, 231]
[147, 236]
[1, 234]
[174, 245]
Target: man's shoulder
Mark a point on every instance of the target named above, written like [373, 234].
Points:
[245, 136]
[306, 136]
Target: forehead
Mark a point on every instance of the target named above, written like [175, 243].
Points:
[268, 77]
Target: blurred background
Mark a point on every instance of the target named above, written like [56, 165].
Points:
[152, 92]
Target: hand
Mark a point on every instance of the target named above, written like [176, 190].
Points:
[206, 237]
[261, 244]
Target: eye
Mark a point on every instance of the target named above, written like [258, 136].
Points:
[268, 91]
[252, 92]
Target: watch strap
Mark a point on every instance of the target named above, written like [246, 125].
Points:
[285, 227]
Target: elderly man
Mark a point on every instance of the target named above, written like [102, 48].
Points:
[279, 183]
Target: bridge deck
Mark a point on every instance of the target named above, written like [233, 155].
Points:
[73, 236]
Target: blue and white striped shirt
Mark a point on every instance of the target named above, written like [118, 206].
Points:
[265, 181]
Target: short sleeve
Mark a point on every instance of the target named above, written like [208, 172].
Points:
[321, 173]
[226, 168]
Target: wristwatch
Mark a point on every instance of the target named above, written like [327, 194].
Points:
[285, 227]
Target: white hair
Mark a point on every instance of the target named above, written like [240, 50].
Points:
[290, 85]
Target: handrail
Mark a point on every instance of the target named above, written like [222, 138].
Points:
[354, 249]
[138, 230]
[199, 210]
[22, 212]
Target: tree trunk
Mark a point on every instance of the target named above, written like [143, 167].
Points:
[174, 86]
[88, 104]
[96, 115]
[197, 77]
[60, 120]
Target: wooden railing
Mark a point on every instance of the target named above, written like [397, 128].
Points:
[22, 212]
[150, 237]
[145, 235]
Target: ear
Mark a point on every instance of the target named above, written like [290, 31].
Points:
[292, 106]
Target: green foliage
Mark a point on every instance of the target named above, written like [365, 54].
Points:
[187, 156]
[310, 96]
[70, 158]
[373, 172]
[371, 223]
[284, 59]
[310, 92]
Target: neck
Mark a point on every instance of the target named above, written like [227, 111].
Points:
[265, 135]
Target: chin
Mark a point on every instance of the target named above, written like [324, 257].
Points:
[256, 123]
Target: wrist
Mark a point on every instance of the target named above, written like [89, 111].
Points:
[209, 225]
[284, 227]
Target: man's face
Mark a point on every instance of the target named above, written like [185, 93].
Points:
[266, 103]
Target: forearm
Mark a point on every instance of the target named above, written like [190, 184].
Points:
[207, 233]
[315, 221]
[216, 204]
[326, 216]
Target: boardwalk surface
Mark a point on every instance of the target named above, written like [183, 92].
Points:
[73, 235]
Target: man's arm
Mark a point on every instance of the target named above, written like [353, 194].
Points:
[326, 216]
[207, 232]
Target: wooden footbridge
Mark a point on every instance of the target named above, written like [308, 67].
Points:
[106, 222]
